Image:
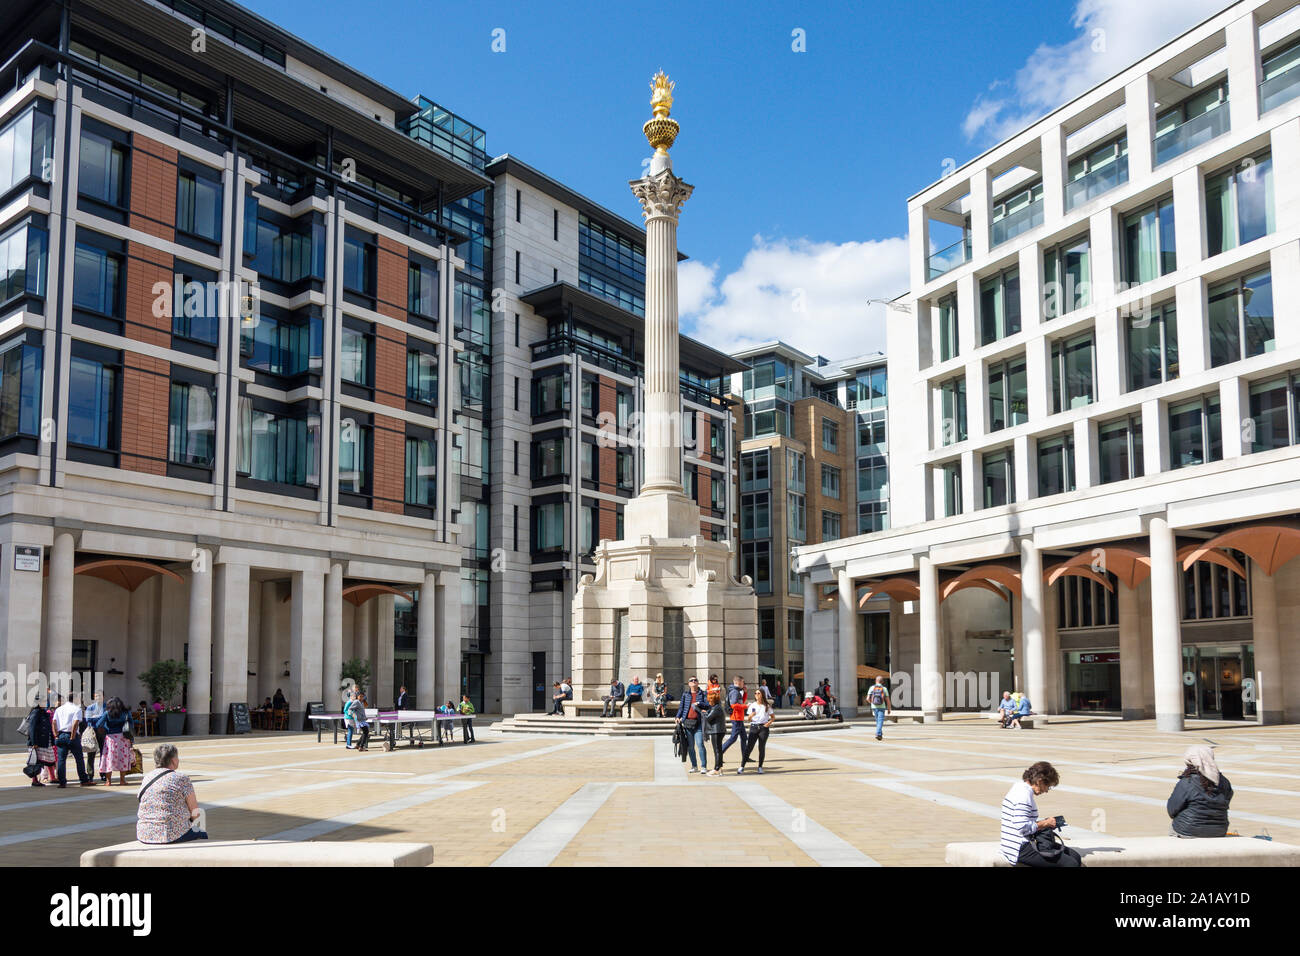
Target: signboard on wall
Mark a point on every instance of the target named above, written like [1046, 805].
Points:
[27, 557]
[1105, 657]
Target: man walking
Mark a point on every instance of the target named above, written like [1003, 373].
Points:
[612, 699]
[68, 721]
[690, 718]
[737, 697]
[878, 698]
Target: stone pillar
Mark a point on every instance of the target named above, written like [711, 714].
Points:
[426, 644]
[229, 642]
[139, 633]
[1130, 653]
[382, 644]
[269, 661]
[931, 689]
[1269, 697]
[363, 636]
[199, 694]
[449, 636]
[56, 650]
[21, 603]
[332, 637]
[847, 678]
[1031, 611]
[305, 625]
[1166, 628]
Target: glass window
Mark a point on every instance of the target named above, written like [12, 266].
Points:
[873, 516]
[794, 470]
[1239, 204]
[101, 169]
[797, 529]
[97, 280]
[755, 470]
[830, 481]
[830, 435]
[1096, 171]
[1152, 347]
[282, 344]
[999, 479]
[1008, 395]
[92, 404]
[548, 526]
[952, 427]
[198, 205]
[24, 254]
[354, 457]
[1149, 242]
[421, 472]
[755, 515]
[871, 428]
[756, 561]
[20, 389]
[354, 357]
[279, 447]
[197, 305]
[1016, 214]
[285, 252]
[358, 265]
[1067, 278]
[551, 458]
[717, 493]
[952, 489]
[873, 475]
[1273, 418]
[422, 290]
[948, 343]
[1073, 373]
[625, 479]
[1281, 78]
[999, 306]
[422, 377]
[1055, 465]
[1241, 318]
[830, 526]
[551, 393]
[1191, 123]
[1195, 433]
[1119, 446]
[192, 425]
[26, 147]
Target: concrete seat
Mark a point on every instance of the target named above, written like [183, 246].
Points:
[260, 853]
[894, 716]
[1103, 850]
[575, 708]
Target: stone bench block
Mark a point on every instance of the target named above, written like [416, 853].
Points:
[260, 853]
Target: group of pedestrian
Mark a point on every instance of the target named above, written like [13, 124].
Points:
[447, 727]
[1012, 708]
[99, 730]
[561, 691]
[1197, 808]
[702, 713]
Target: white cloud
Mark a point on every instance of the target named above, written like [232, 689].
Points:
[1113, 35]
[811, 295]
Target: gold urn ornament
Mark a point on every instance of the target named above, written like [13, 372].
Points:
[661, 130]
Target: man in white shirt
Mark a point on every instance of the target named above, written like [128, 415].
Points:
[68, 720]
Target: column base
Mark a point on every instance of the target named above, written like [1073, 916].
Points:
[1268, 718]
[197, 725]
[848, 712]
[1169, 723]
[932, 717]
[1136, 713]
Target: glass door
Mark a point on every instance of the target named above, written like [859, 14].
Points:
[1190, 683]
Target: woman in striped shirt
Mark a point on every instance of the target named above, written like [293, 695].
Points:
[1020, 821]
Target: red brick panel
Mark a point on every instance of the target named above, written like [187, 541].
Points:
[153, 187]
[145, 269]
[389, 482]
[607, 521]
[390, 367]
[391, 279]
[704, 489]
[145, 397]
[607, 469]
[606, 398]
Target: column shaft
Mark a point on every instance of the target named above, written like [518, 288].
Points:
[305, 625]
[1031, 613]
[229, 642]
[56, 652]
[931, 680]
[1166, 628]
[426, 644]
[1130, 653]
[269, 661]
[332, 636]
[449, 635]
[1270, 705]
[198, 701]
[847, 677]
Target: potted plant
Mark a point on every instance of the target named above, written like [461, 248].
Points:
[164, 680]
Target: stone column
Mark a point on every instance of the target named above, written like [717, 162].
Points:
[1130, 653]
[847, 678]
[305, 626]
[363, 635]
[426, 644]
[449, 636]
[1031, 612]
[139, 631]
[269, 660]
[332, 636]
[229, 642]
[21, 604]
[931, 689]
[1269, 702]
[56, 650]
[199, 695]
[1166, 628]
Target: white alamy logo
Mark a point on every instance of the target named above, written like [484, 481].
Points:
[77, 909]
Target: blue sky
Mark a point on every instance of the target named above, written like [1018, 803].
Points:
[802, 161]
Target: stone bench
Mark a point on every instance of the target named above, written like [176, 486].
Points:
[260, 853]
[641, 708]
[894, 716]
[1099, 849]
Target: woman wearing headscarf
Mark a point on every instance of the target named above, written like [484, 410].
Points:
[1198, 807]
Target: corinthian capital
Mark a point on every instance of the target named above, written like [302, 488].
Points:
[662, 194]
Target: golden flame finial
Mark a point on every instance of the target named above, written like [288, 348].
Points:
[661, 130]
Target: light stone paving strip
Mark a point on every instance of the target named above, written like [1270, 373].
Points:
[544, 842]
[318, 828]
[793, 823]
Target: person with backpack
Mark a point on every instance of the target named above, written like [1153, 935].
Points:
[878, 698]
[737, 698]
[115, 722]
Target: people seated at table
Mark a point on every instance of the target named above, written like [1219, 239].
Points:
[1198, 807]
[168, 806]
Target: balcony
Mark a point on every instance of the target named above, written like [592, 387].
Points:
[1020, 221]
[1096, 182]
[1195, 132]
[949, 258]
[1279, 89]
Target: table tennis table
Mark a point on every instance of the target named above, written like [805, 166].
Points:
[421, 726]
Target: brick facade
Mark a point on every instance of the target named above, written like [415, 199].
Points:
[145, 397]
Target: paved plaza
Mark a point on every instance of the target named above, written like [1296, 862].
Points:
[831, 798]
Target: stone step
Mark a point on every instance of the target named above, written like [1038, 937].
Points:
[540, 724]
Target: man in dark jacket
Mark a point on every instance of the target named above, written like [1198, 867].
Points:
[611, 700]
[1198, 807]
[690, 718]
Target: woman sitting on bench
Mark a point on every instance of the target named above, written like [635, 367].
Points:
[1198, 807]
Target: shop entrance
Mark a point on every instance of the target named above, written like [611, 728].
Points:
[1218, 682]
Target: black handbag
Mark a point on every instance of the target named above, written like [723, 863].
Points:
[1051, 847]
